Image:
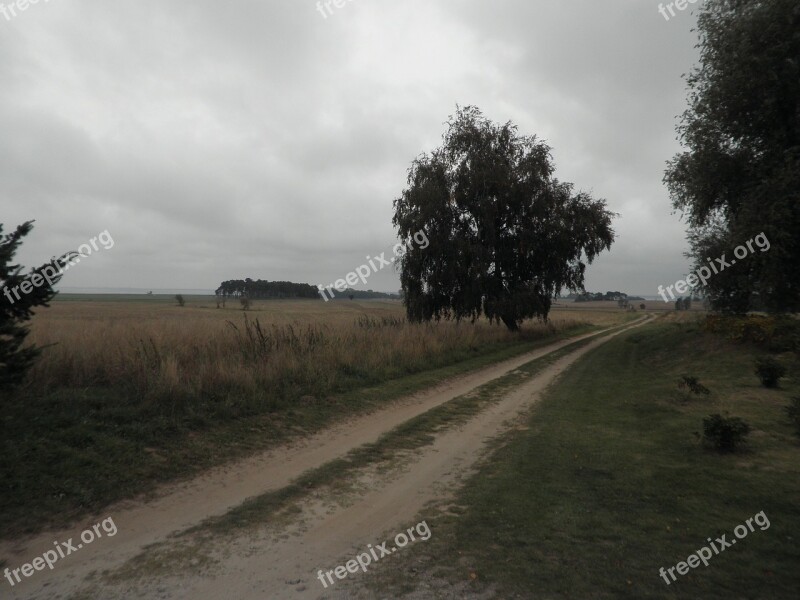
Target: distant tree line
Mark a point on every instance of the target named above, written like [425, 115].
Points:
[260, 289]
[599, 297]
[369, 294]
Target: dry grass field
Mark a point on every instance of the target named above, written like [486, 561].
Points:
[166, 353]
[133, 391]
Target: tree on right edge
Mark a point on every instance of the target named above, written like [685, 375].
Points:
[740, 175]
[505, 236]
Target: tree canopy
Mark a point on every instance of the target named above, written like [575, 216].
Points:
[505, 235]
[740, 174]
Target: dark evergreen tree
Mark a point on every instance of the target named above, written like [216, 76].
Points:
[20, 294]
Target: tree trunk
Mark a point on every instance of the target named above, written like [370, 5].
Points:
[510, 322]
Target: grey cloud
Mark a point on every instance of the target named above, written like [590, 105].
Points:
[255, 138]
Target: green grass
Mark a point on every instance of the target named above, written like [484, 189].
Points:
[71, 452]
[610, 482]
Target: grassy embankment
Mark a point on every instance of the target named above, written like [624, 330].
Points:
[133, 394]
[609, 482]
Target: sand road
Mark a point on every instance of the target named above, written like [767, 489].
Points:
[285, 564]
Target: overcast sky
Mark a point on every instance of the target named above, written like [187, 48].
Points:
[259, 138]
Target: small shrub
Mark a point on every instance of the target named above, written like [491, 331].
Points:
[724, 433]
[793, 411]
[180, 300]
[693, 385]
[786, 338]
[769, 371]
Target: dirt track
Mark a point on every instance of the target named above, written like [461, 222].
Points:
[269, 564]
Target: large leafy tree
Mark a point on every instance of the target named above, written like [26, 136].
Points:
[17, 308]
[740, 175]
[505, 236]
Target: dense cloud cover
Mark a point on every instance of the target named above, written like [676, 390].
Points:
[262, 139]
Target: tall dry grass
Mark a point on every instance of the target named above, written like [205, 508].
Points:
[157, 353]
